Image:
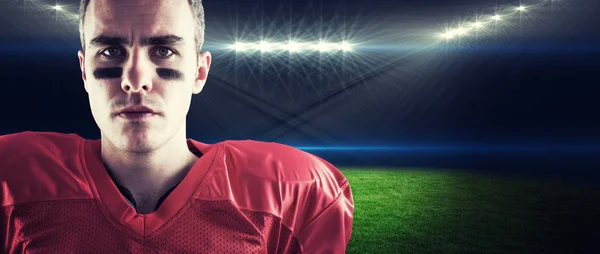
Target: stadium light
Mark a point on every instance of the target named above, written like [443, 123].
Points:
[450, 34]
[238, 46]
[461, 31]
[447, 35]
[345, 46]
[264, 46]
[323, 46]
[291, 46]
[504, 16]
[477, 24]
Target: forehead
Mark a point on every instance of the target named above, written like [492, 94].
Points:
[138, 18]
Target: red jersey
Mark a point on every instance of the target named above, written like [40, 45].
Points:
[239, 197]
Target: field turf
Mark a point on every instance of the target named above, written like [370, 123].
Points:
[437, 211]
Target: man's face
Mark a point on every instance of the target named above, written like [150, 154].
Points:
[141, 53]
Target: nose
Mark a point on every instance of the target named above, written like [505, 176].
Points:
[137, 73]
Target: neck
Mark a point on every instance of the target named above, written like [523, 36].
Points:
[152, 171]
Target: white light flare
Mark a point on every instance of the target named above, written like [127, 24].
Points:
[483, 24]
[345, 46]
[239, 46]
[477, 25]
[292, 46]
[461, 31]
[453, 33]
[57, 7]
[264, 46]
[448, 35]
[323, 46]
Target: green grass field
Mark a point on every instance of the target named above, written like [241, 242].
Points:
[417, 211]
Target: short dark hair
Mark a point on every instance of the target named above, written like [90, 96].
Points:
[197, 13]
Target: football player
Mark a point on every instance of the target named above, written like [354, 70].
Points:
[144, 187]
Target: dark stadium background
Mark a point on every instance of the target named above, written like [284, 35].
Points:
[523, 98]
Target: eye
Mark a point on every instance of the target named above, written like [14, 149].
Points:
[111, 52]
[163, 52]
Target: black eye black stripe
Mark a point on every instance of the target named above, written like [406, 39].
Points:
[117, 72]
[169, 74]
[108, 73]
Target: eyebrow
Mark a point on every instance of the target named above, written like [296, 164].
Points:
[104, 40]
[162, 40]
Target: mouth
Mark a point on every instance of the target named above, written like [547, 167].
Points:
[136, 113]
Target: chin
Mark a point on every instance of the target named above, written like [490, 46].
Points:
[142, 143]
[138, 141]
[137, 138]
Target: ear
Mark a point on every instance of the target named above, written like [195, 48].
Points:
[204, 60]
[81, 56]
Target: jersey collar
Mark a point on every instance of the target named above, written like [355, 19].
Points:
[122, 214]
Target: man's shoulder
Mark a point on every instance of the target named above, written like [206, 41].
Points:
[30, 144]
[282, 162]
[31, 141]
[292, 184]
[36, 166]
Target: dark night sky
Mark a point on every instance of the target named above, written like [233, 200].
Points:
[532, 81]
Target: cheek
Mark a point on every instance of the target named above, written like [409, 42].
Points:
[178, 101]
[179, 92]
[191, 69]
[100, 93]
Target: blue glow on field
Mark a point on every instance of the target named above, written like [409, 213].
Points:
[454, 148]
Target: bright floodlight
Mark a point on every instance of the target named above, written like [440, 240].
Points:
[57, 7]
[449, 34]
[494, 19]
[345, 46]
[461, 31]
[265, 46]
[323, 46]
[477, 24]
[291, 46]
[238, 46]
